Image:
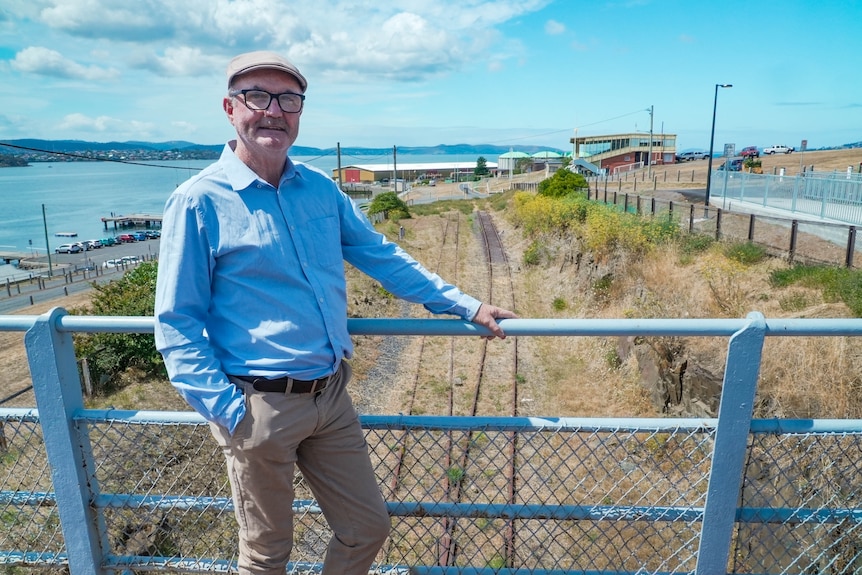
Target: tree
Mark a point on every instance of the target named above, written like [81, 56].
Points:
[562, 183]
[481, 168]
[109, 354]
[390, 205]
[522, 165]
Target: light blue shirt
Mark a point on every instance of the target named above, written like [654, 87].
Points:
[251, 280]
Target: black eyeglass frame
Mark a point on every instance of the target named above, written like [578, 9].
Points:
[276, 97]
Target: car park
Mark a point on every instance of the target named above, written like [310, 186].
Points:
[69, 249]
[691, 155]
[778, 149]
[750, 152]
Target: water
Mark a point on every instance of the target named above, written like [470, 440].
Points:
[76, 195]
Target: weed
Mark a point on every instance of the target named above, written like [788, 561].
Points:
[534, 254]
[455, 475]
[836, 284]
[794, 302]
[692, 244]
[746, 253]
[560, 304]
[602, 287]
[612, 358]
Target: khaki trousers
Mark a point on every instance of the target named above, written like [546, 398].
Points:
[319, 433]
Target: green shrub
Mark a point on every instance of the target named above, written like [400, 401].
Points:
[390, 205]
[109, 354]
[691, 244]
[745, 252]
[534, 254]
[563, 183]
[560, 304]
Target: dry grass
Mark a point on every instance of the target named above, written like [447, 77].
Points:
[813, 377]
[800, 377]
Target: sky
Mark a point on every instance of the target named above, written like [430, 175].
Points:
[423, 73]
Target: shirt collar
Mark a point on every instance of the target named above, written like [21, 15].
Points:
[241, 176]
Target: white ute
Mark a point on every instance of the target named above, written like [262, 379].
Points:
[777, 149]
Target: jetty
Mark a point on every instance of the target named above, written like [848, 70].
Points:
[133, 221]
[9, 257]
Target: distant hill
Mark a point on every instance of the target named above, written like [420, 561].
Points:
[79, 146]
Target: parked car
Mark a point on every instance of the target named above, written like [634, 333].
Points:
[140, 236]
[153, 234]
[93, 244]
[734, 164]
[750, 152]
[69, 249]
[691, 155]
[108, 241]
[778, 149]
[126, 238]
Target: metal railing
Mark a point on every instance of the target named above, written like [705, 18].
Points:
[98, 491]
[834, 196]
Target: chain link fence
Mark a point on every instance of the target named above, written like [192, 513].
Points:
[584, 497]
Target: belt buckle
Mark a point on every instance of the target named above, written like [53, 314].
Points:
[322, 382]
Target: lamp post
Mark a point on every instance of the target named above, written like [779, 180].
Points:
[712, 141]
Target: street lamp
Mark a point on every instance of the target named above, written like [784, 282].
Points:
[712, 142]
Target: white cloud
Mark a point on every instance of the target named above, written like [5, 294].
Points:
[363, 41]
[554, 28]
[46, 62]
[106, 124]
[182, 61]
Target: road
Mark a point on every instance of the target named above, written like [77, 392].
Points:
[90, 268]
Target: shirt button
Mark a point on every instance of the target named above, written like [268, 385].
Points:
[320, 299]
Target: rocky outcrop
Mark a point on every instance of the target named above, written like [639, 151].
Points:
[677, 384]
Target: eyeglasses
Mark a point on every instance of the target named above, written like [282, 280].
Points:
[258, 100]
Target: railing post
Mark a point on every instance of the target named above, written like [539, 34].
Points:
[851, 247]
[717, 224]
[751, 228]
[54, 371]
[794, 231]
[730, 447]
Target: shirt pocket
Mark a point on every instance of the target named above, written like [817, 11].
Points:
[323, 242]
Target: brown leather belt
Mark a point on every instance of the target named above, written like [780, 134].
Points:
[283, 384]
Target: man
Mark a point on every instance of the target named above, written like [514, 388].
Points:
[251, 318]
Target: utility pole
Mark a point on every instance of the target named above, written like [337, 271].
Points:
[649, 159]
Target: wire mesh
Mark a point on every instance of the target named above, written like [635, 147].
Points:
[29, 522]
[532, 499]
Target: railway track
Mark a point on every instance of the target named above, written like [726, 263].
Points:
[457, 376]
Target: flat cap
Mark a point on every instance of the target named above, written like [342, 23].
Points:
[262, 60]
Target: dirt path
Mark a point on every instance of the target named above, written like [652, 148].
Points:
[13, 356]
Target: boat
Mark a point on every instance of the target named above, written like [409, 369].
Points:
[66, 234]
